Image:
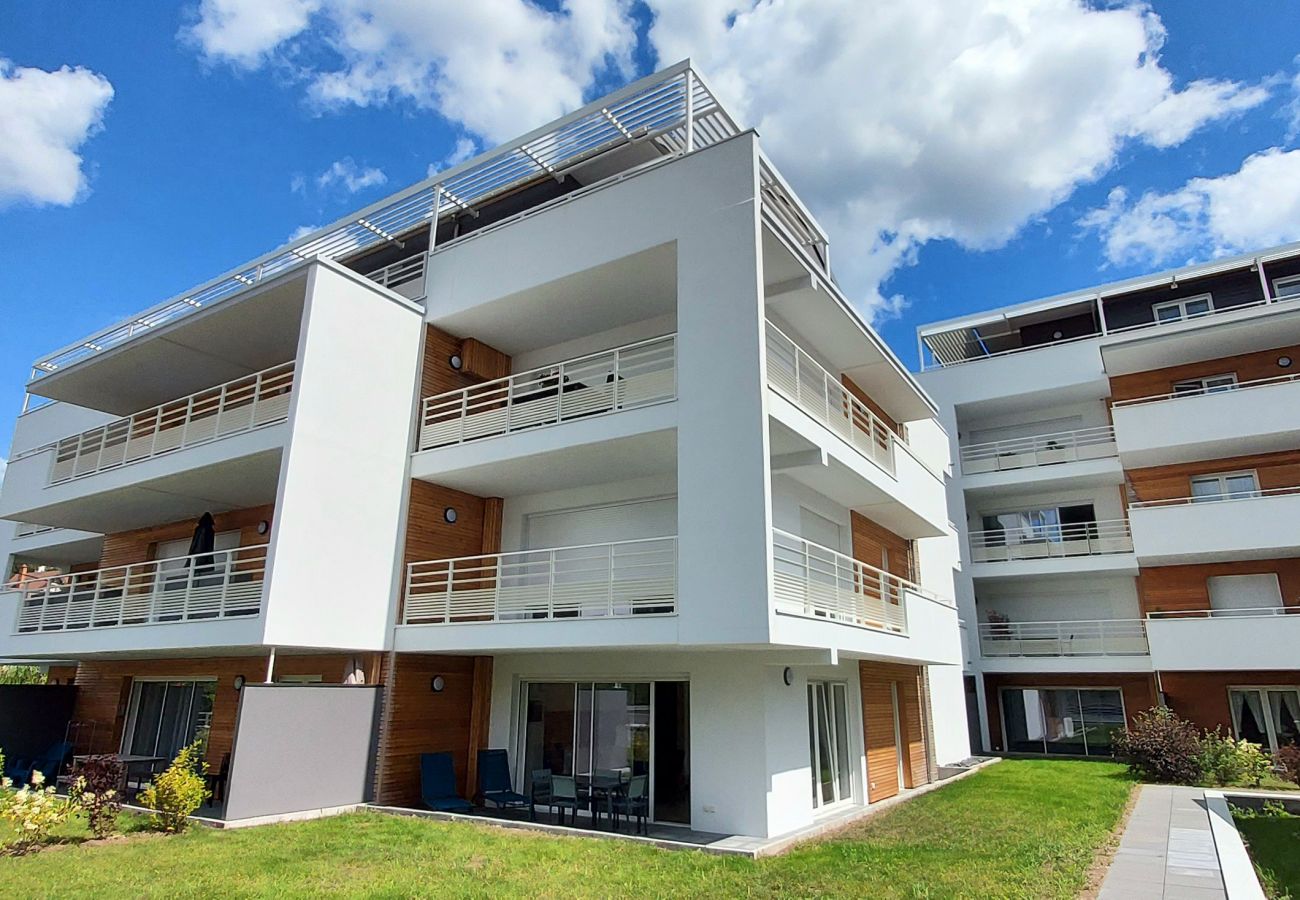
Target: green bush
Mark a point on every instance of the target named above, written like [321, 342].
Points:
[32, 812]
[96, 788]
[1159, 746]
[179, 791]
[1228, 761]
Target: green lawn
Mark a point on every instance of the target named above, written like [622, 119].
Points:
[1021, 828]
[1275, 848]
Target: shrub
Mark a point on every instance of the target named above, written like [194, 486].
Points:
[96, 788]
[21, 675]
[179, 791]
[33, 811]
[1287, 759]
[1161, 747]
[1230, 761]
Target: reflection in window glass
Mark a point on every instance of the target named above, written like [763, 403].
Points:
[1065, 721]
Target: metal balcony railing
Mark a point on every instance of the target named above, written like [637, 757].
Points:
[801, 379]
[401, 274]
[1096, 637]
[1225, 613]
[1222, 497]
[218, 585]
[1203, 391]
[1051, 541]
[635, 375]
[1039, 450]
[623, 578]
[244, 404]
[817, 582]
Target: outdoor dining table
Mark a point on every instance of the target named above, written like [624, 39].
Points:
[607, 787]
[130, 762]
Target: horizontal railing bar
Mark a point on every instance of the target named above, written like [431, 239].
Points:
[1225, 497]
[1206, 392]
[1100, 434]
[1244, 612]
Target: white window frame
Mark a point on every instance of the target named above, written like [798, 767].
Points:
[1280, 286]
[1181, 305]
[833, 687]
[1201, 384]
[133, 702]
[1270, 729]
[1221, 478]
[1002, 707]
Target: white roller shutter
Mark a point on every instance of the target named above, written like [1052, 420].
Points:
[602, 524]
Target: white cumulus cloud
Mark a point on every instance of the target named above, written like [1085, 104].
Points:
[243, 32]
[903, 122]
[45, 117]
[1256, 206]
[347, 174]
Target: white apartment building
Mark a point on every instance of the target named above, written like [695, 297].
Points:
[1128, 498]
[575, 449]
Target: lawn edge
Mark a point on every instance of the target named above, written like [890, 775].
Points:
[1105, 855]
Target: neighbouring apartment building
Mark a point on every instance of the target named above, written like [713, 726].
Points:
[1129, 502]
[575, 449]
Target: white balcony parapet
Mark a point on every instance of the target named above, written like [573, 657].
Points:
[801, 379]
[817, 582]
[1039, 450]
[244, 404]
[217, 585]
[786, 209]
[1051, 541]
[1225, 613]
[674, 110]
[1204, 391]
[1096, 637]
[400, 273]
[619, 579]
[635, 375]
[1223, 497]
[27, 529]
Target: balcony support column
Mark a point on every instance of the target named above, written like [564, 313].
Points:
[270, 667]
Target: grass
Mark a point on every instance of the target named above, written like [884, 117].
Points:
[1022, 828]
[1274, 844]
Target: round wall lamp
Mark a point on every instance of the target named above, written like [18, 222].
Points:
[1284, 362]
[239, 682]
[455, 361]
[263, 527]
[449, 515]
[788, 676]
[437, 683]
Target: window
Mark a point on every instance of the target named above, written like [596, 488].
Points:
[1269, 716]
[1228, 486]
[1186, 308]
[1286, 287]
[1245, 595]
[828, 743]
[1209, 384]
[1063, 721]
[1035, 526]
[166, 716]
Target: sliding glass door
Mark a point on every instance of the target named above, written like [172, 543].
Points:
[168, 715]
[1063, 721]
[593, 728]
[828, 738]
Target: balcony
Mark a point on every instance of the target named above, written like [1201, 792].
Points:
[1217, 528]
[1259, 416]
[1086, 457]
[405, 277]
[61, 614]
[816, 582]
[1053, 549]
[1225, 639]
[231, 408]
[1077, 645]
[627, 377]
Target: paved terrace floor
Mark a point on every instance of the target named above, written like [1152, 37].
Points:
[1167, 849]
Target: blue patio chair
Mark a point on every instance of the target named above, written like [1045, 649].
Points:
[636, 802]
[565, 795]
[438, 784]
[494, 783]
[539, 791]
[50, 764]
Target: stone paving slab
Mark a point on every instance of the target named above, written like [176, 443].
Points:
[1167, 850]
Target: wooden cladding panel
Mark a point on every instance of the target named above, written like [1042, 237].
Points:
[104, 690]
[1178, 588]
[428, 533]
[878, 722]
[873, 542]
[479, 363]
[1202, 697]
[1246, 366]
[140, 545]
[1275, 470]
[852, 387]
[1138, 691]
[418, 720]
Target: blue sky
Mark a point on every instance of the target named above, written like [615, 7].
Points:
[962, 163]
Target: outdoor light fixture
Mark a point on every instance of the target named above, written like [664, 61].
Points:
[1284, 361]
[455, 361]
[450, 515]
[788, 676]
[437, 684]
[263, 527]
[239, 682]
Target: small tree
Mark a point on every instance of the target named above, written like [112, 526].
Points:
[1160, 746]
[21, 675]
[179, 791]
[96, 789]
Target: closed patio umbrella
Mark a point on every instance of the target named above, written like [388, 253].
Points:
[202, 543]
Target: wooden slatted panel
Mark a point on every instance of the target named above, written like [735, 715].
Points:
[882, 752]
[104, 690]
[127, 547]
[878, 719]
[1177, 588]
[873, 542]
[1246, 366]
[897, 427]
[417, 720]
[483, 362]
[1202, 697]
[1275, 470]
